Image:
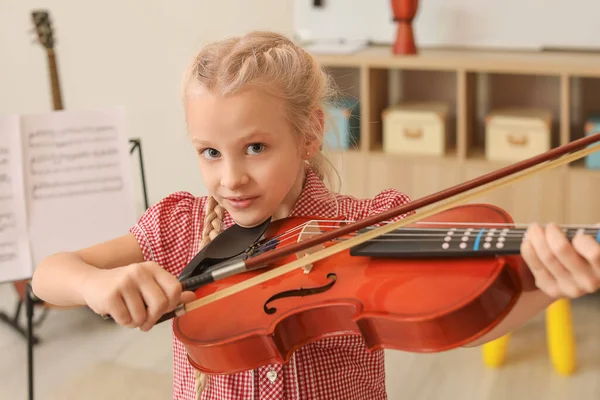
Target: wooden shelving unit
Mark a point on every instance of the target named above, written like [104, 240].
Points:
[473, 83]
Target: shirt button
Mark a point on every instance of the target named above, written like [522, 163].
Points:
[272, 375]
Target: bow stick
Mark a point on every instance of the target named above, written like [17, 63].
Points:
[500, 178]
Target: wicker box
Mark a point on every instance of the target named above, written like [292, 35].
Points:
[416, 128]
[517, 133]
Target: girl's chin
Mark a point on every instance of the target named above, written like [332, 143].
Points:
[248, 219]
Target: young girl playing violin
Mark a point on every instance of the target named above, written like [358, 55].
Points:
[254, 110]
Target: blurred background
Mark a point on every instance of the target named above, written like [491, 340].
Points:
[486, 84]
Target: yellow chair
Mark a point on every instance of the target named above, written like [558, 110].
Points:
[561, 341]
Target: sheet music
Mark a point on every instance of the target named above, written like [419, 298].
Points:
[15, 256]
[78, 179]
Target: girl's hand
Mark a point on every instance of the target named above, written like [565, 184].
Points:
[136, 295]
[562, 268]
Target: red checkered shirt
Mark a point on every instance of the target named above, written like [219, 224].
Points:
[342, 368]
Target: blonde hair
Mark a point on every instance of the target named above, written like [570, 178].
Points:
[213, 225]
[274, 63]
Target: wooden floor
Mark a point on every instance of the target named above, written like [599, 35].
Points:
[83, 357]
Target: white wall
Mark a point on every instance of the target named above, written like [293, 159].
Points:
[527, 24]
[464, 23]
[129, 53]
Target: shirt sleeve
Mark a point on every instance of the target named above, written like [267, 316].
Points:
[165, 231]
[388, 199]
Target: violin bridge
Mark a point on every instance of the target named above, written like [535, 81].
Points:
[310, 229]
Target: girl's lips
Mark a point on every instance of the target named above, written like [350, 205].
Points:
[240, 202]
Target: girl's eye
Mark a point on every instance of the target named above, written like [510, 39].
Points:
[210, 153]
[256, 148]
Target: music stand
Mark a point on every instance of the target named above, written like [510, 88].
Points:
[30, 299]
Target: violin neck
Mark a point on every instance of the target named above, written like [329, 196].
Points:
[453, 242]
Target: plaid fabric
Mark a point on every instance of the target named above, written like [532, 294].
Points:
[342, 368]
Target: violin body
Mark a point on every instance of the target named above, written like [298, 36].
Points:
[417, 304]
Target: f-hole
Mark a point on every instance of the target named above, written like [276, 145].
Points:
[300, 293]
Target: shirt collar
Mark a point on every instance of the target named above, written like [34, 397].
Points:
[315, 199]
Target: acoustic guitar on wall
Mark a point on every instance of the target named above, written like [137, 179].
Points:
[45, 36]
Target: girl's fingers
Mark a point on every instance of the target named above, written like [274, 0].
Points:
[550, 263]
[170, 286]
[547, 256]
[187, 297]
[543, 279]
[589, 249]
[119, 312]
[581, 275]
[156, 301]
[562, 268]
[136, 307]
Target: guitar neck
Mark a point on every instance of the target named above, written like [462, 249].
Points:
[54, 81]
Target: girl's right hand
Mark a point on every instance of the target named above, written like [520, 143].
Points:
[136, 295]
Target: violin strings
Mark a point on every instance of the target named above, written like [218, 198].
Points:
[436, 238]
[287, 235]
[507, 225]
[446, 232]
[302, 225]
[482, 224]
[504, 232]
[508, 231]
[510, 227]
[479, 224]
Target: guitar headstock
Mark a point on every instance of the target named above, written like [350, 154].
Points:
[43, 28]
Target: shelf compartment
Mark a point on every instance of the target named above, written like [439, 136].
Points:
[489, 92]
[392, 87]
[581, 192]
[342, 124]
[415, 175]
[536, 198]
[584, 104]
[478, 81]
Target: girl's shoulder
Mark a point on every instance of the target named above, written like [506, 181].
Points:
[356, 208]
[173, 206]
[169, 229]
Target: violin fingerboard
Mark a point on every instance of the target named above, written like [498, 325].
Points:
[454, 243]
[425, 250]
[437, 243]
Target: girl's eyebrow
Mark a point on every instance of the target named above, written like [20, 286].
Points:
[253, 136]
[256, 135]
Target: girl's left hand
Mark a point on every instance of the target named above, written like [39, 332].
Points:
[562, 268]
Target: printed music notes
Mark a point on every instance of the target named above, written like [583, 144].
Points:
[15, 258]
[78, 179]
[74, 173]
[72, 159]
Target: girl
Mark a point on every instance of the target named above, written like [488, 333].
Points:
[255, 117]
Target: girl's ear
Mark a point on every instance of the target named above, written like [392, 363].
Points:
[314, 144]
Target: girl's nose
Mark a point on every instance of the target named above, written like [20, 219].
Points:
[233, 177]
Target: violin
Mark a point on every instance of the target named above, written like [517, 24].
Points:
[429, 282]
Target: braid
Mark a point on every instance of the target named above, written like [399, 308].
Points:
[213, 221]
[213, 225]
